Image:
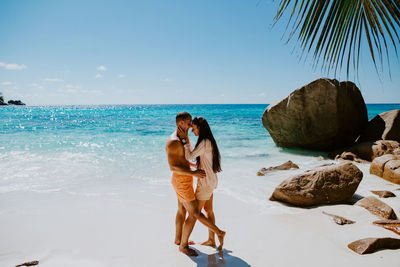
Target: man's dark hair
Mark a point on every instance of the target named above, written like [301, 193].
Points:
[182, 116]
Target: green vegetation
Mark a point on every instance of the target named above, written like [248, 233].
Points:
[335, 29]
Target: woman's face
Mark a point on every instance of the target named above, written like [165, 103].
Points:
[195, 129]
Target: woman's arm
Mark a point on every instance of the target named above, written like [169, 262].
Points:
[197, 151]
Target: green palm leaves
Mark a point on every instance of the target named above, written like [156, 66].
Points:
[335, 29]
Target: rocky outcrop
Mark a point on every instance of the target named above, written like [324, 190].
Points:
[370, 150]
[322, 115]
[387, 167]
[371, 245]
[385, 126]
[377, 207]
[332, 184]
[384, 194]
[285, 166]
[16, 102]
[2, 103]
[392, 225]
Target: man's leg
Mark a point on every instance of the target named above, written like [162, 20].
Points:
[193, 208]
[188, 228]
[208, 207]
[179, 220]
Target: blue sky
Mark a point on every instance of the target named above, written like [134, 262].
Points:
[158, 52]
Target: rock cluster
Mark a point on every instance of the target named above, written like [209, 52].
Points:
[10, 102]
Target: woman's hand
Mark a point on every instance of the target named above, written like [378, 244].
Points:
[182, 134]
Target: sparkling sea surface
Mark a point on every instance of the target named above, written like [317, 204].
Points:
[100, 150]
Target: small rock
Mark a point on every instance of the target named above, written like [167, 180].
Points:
[384, 194]
[31, 263]
[377, 207]
[371, 245]
[392, 225]
[338, 219]
[285, 166]
[350, 156]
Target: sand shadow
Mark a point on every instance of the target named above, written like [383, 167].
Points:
[218, 259]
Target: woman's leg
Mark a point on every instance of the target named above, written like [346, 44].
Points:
[210, 224]
[208, 207]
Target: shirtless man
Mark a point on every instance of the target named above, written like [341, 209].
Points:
[182, 181]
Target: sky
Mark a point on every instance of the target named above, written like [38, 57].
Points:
[160, 52]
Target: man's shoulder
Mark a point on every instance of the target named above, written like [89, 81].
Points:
[173, 142]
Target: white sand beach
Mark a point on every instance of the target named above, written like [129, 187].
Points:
[136, 228]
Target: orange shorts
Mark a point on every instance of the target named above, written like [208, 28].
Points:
[183, 185]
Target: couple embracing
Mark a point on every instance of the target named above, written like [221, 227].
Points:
[180, 152]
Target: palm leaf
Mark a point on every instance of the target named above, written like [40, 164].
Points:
[335, 29]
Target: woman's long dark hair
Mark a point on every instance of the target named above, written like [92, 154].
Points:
[205, 133]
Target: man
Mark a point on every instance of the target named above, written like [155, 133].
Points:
[182, 181]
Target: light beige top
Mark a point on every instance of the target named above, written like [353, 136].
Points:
[205, 151]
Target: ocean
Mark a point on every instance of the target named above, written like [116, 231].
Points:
[107, 151]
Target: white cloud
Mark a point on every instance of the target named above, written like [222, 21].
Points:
[35, 85]
[261, 94]
[12, 66]
[95, 92]
[167, 80]
[98, 76]
[53, 80]
[121, 76]
[101, 68]
[69, 86]
[8, 83]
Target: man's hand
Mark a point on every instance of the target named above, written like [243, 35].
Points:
[199, 173]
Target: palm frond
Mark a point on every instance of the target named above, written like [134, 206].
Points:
[335, 29]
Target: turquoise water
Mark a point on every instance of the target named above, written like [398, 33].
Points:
[89, 148]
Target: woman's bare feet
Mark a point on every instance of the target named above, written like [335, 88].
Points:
[221, 240]
[188, 251]
[209, 242]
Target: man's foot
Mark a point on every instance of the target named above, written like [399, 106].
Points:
[221, 240]
[210, 243]
[188, 251]
[178, 242]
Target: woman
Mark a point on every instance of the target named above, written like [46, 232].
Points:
[208, 159]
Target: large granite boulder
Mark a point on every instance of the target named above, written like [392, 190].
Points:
[385, 126]
[387, 167]
[322, 115]
[369, 150]
[330, 184]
